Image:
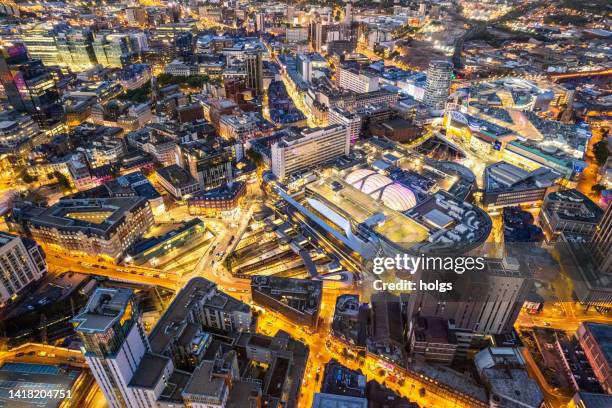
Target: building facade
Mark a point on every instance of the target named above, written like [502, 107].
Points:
[21, 263]
[311, 148]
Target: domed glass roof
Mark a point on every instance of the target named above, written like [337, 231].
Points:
[357, 175]
[398, 197]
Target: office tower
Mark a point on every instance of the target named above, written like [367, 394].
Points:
[76, 50]
[304, 67]
[112, 50]
[290, 14]
[260, 22]
[602, 243]
[254, 70]
[351, 121]
[29, 87]
[136, 16]
[114, 343]
[356, 80]
[40, 42]
[490, 302]
[104, 226]
[308, 149]
[348, 14]
[209, 165]
[316, 34]
[437, 87]
[18, 133]
[184, 44]
[21, 262]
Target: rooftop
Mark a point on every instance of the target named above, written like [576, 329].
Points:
[97, 216]
[104, 308]
[603, 335]
[176, 175]
[361, 209]
[149, 371]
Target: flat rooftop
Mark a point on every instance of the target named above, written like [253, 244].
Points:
[96, 215]
[26, 376]
[104, 308]
[176, 175]
[361, 208]
[163, 334]
[149, 371]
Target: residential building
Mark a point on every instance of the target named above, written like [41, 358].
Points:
[437, 88]
[351, 121]
[297, 299]
[210, 165]
[114, 344]
[254, 70]
[596, 341]
[22, 262]
[602, 243]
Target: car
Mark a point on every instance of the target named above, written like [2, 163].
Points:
[30, 307]
[547, 324]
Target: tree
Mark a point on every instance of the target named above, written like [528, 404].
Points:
[597, 189]
[62, 180]
[601, 152]
[255, 157]
[138, 95]
[27, 178]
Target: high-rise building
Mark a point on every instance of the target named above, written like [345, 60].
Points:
[437, 87]
[40, 42]
[184, 44]
[76, 50]
[602, 243]
[491, 304]
[360, 81]
[350, 120]
[136, 16]
[308, 149]
[29, 86]
[114, 344]
[21, 263]
[316, 34]
[348, 14]
[595, 340]
[260, 22]
[254, 70]
[112, 50]
[211, 167]
[18, 133]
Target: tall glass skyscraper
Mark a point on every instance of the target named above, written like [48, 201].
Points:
[29, 86]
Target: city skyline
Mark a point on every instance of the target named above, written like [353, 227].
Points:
[314, 204]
